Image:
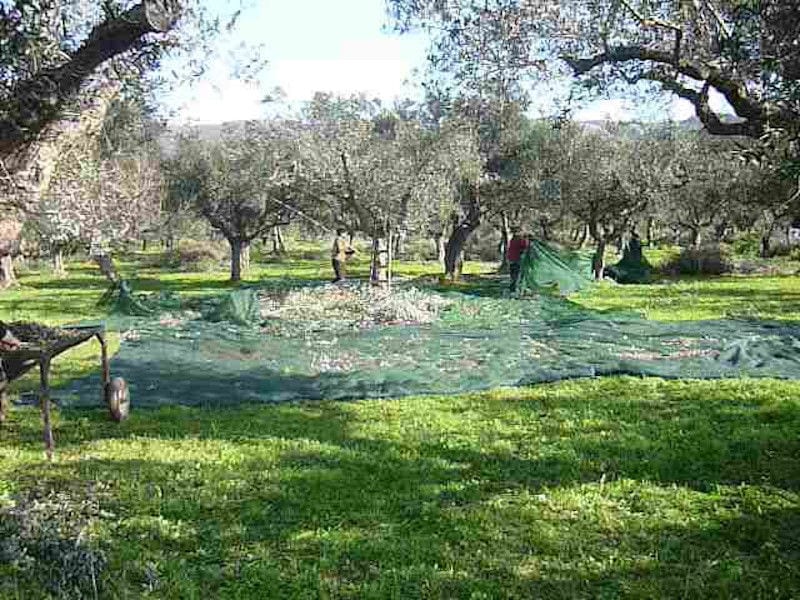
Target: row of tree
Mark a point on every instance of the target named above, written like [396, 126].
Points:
[464, 158]
[412, 171]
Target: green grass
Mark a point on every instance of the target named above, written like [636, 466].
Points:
[712, 298]
[590, 489]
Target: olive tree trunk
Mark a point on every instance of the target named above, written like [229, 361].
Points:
[439, 243]
[462, 230]
[454, 250]
[504, 239]
[278, 245]
[7, 276]
[766, 243]
[58, 262]
[599, 259]
[37, 101]
[697, 237]
[379, 266]
[648, 232]
[240, 258]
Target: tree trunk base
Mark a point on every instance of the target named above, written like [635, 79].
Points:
[7, 277]
[107, 268]
[58, 265]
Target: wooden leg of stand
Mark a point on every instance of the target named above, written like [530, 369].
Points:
[44, 400]
[106, 368]
[3, 401]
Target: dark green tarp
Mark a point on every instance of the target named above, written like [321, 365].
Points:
[633, 267]
[544, 268]
[475, 343]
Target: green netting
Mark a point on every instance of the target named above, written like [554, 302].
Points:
[633, 266]
[353, 341]
[545, 268]
[240, 307]
[119, 299]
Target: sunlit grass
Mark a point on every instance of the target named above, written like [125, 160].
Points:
[712, 298]
[610, 488]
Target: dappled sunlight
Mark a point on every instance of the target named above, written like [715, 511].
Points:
[557, 490]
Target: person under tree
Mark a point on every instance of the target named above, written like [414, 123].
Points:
[517, 246]
[340, 252]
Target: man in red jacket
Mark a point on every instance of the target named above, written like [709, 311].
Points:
[517, 246]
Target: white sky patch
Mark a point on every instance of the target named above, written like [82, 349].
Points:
[218, 101]
[300, 79]
[337, 46]
[614, 109]
[311, 46]
[683, 109]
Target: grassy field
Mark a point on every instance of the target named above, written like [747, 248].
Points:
[589, 489]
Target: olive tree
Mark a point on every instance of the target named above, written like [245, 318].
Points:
[242, 184]
[378, 176]
[744, 50]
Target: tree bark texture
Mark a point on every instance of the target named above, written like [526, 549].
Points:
[462, 230]
[379, 267]
[504, 238]
[697, 237]
[38, 101]
[278, 246]
[599, 259]
[584, 235]
[58, 262]
[240, 258]
[236, 260]
[106, 266]
[454, 250]
[7, 276]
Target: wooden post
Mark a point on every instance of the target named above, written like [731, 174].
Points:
[44, 401]
[101, 337]
[389, 260]
[3, 397]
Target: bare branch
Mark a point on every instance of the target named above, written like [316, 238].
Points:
[756, 114]
[649, 22]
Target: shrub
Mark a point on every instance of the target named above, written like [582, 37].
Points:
[780, 249]
[191, 254]
[44, 540]
[747, 245]
[420, 250]
[484, 245]
[708, 260]
[795, 253]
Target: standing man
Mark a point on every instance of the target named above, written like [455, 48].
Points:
[340, 252]
[517, 246]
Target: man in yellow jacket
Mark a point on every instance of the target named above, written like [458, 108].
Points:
[340, 252]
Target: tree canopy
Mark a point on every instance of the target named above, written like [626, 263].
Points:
[744, 49]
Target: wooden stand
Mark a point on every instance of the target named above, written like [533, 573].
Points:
[15, 363]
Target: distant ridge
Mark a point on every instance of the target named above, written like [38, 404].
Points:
[214, 131]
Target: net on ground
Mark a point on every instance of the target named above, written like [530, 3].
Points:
[355, 341]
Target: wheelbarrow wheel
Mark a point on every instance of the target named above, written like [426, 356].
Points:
[118, 399]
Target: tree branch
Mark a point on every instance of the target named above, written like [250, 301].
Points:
[37, 102]
[757, 115]
[702, 108]
[649, 22]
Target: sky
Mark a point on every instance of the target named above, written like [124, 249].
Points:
[339, 46]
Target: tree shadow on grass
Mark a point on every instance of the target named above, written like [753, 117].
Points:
[311, 499]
